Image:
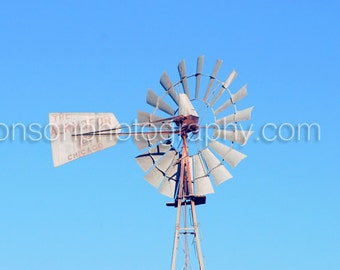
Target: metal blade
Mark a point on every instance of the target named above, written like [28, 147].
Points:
[168, 187]
[229, 154]
[236, 117]
[239, 136]
[154, 121]
[147, 140]
[167, 85]
[234, 98]
[226, 84]
[216, 168]
[66, 147]
[184, 78]
[173, 173]
[150, 157]
[157, 173]
[144, 117]
[199, 69]
[154, 100]
[240, 94]
[212, 78]
[201, 179]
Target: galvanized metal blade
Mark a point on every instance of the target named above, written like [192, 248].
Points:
[150, 157]
[230, 155]
[168, 186]
[168, 86]
[199, 70]
[212, 79]
[216, 168]
[145, 140]
[234, 98]
[184, 78]
[240, 94]
[202, 181]
[66, 147]
[242, 115]
[225, 85]
[154, 121]
[239, 136]
[157, 173]
[154, 100]
[145, 117]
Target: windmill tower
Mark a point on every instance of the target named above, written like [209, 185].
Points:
[183, 145]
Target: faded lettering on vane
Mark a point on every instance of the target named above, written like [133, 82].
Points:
[66, 124]
[69, 126]
[85, 151]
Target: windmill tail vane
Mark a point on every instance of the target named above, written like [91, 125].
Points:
[175, 158]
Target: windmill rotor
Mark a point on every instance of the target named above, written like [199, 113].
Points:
[210, 158]
[187, 142]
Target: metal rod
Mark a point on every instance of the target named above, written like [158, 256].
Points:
[107, 133]
[186, 180]
[126, 133]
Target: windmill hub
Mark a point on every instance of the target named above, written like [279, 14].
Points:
[187, 124]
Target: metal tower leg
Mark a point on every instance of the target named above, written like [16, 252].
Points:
[197, 236]
[177, 229]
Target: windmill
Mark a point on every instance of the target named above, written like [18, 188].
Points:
[183, 145]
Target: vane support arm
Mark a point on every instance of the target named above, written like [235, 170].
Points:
[108, 133]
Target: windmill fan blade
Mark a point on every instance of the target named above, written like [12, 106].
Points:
[239, 136]
[66, 147]
[240, 94]
[198, 75]
[168, 187]
[234, 98]
[144, 117]
[184, 78]
[216, 168]
[229, 154]
[236, 117]
[144, 140]
[212, 78]
[155, 101]
[226, 84]
[167, 85]
[150, 157]
[202, 182]
[157, 173]
[153, 120]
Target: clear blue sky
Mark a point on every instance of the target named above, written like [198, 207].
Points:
[281, 209]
